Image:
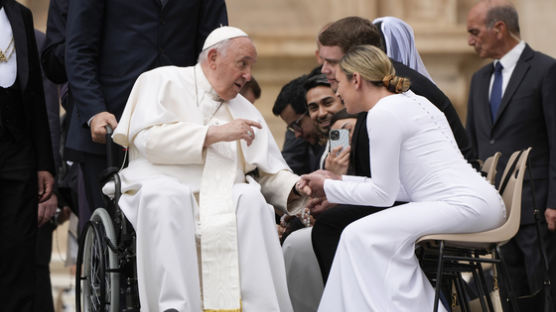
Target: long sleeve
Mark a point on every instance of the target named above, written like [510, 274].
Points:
[382, 189]
[84, 32]
[213, 15]
[52, 106]
[53, 51]
[276, 189]
[178, 143]
[40, 131]
[549, 110]
[470, 123]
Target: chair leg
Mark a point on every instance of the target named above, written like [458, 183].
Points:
[480, 289]
[506, 281]
[485, 286]
[439, 272]
[461, 294]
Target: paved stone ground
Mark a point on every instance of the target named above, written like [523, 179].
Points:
[62, 276]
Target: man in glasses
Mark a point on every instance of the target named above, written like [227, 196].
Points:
[302, 147]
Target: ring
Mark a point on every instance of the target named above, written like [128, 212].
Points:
[250, 134]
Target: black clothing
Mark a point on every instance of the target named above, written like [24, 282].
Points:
[301, 156]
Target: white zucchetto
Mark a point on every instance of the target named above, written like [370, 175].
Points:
[221, 34]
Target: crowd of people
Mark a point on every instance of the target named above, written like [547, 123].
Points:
[225, 220]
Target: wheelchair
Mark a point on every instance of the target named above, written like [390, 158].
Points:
[106, 271]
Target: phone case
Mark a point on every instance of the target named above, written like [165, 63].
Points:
[339, 137]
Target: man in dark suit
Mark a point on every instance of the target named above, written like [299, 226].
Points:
[512, 105]
[335, 41]
[26, 164]
[43, 295]
[109, 43]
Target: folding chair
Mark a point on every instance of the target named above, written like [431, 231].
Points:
[461, 252]
[489, 167]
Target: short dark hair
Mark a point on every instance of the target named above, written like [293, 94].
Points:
[343, 114]
[315, 71]
[252, 85]
[349, 32]
[292, 94]
[505, 13]
[316, 81]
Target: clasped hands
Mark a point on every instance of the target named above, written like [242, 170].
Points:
[313, 182]
[313, 185]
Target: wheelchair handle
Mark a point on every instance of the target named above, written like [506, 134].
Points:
[109, 154]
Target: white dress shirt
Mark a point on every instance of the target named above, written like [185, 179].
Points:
[509, 60]
[8, 70]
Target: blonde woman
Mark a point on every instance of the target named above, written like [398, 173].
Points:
[413, 158]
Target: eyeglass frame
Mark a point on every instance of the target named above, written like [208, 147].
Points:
[296, 125]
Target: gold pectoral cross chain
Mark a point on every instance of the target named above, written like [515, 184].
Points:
[6, 54]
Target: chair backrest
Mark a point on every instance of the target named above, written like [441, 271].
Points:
[489, 167]
[511, 194]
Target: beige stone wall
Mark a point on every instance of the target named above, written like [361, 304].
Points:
[285, 30]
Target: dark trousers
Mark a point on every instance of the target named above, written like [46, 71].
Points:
[328, 228]
[93, 166]
[43, 296]
[524, 262]
[18, 227]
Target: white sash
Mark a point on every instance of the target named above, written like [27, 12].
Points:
[218, 228]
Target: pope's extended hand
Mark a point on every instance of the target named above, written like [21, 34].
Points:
[302, 188]
[237, 129]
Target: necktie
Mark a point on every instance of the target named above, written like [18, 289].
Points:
[496, 92]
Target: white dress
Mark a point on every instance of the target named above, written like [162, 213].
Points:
[414, 157]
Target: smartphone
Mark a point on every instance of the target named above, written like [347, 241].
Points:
[339, 137]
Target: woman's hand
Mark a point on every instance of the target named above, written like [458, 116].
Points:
[315, 181]
[338, 162]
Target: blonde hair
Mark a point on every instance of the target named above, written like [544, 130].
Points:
[374, 66]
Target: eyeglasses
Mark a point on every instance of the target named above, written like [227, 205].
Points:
[296, 125]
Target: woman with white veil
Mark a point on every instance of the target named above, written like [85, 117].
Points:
[399, 42]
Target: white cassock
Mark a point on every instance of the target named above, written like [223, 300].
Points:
[302, 270]
[164, 125]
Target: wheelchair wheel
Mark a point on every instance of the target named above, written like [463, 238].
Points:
[97, 274]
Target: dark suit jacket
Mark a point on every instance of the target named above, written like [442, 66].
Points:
[526, 117]
[300, 155]
[52, 106]
[110, 43]
[420, 85]
[30, 83]
[53, 49]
